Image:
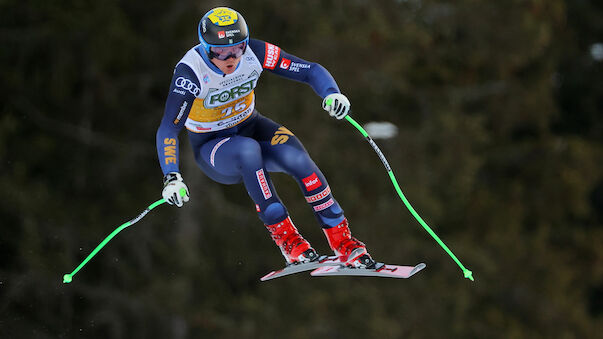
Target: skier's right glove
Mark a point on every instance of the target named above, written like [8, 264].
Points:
[175, 191]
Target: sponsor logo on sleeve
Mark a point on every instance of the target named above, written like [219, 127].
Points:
[297, 66]
[285, 63]
[263, 183]
[272, 54]
[312, 182]
[181, 113]
[186, 84]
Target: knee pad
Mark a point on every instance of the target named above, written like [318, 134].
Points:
[273, 213]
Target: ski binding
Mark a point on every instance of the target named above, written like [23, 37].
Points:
[322, 261]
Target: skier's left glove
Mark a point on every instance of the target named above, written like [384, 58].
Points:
[175, 191]
[337, 105]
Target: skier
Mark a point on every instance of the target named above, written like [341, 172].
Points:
[212, 95]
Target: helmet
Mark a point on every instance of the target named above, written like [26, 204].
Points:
[222, 27]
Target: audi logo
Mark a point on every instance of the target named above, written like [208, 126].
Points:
[188, 85]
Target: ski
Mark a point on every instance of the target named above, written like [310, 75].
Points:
[380, 270]
[322, 261]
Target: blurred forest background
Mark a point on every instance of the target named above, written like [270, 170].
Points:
[500, 149]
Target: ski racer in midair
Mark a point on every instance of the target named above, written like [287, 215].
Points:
[212, 96]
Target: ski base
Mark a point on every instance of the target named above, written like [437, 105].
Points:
[381, 270]
[322, 261]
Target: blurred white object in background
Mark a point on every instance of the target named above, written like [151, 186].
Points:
[381, 129]
[596, 51]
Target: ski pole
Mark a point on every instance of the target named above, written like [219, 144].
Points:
[68, 277]
[467, 273]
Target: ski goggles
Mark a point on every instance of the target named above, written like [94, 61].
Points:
[223, 53]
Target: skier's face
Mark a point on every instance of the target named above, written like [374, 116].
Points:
[227, 66]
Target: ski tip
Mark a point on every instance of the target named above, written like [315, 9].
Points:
[417, 269]
[268, 276]
[468, 274]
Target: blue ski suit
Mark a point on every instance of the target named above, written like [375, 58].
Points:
[232, 142]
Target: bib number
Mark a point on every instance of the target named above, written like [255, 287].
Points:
[237, 108]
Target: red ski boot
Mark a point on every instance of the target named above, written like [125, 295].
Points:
[349, 249]
[294, 247]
